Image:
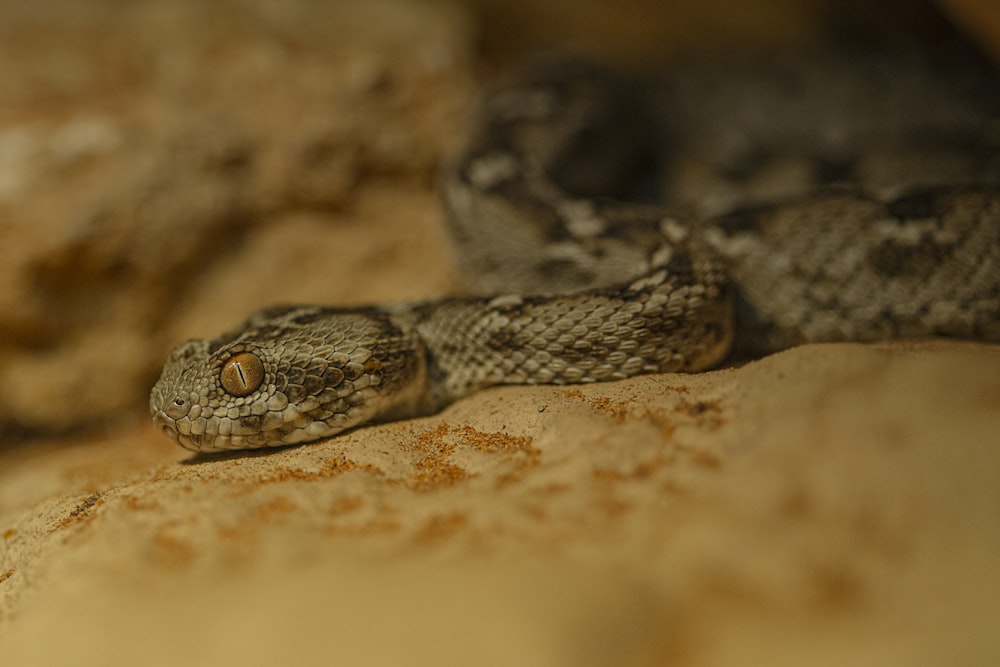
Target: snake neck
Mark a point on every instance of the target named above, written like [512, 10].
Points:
[658, 323]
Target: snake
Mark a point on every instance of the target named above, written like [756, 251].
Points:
[613, 223]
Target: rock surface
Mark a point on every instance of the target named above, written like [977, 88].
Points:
[827, 505]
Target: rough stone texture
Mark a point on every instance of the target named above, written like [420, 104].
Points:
[827, 505]
[167, 167]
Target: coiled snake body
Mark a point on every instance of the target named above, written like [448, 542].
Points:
[816, 198]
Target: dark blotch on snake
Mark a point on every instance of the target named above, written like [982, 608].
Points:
[295, 393]
[893, 259]
[313, 385]
[919, 205]
[333, 376]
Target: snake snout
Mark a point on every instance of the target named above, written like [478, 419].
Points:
[168, 406]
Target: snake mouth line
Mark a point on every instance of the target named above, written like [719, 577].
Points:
[165, 425]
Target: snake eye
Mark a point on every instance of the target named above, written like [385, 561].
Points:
[242, 374]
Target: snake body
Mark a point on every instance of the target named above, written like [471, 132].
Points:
[580, 279]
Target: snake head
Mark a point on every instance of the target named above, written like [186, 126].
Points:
[284, 378]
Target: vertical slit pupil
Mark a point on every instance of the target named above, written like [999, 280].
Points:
[242, 374]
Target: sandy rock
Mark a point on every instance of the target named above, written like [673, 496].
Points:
[811, 503]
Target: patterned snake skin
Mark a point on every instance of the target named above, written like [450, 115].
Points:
[820, 197]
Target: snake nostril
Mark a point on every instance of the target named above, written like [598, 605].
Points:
[177, 408]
